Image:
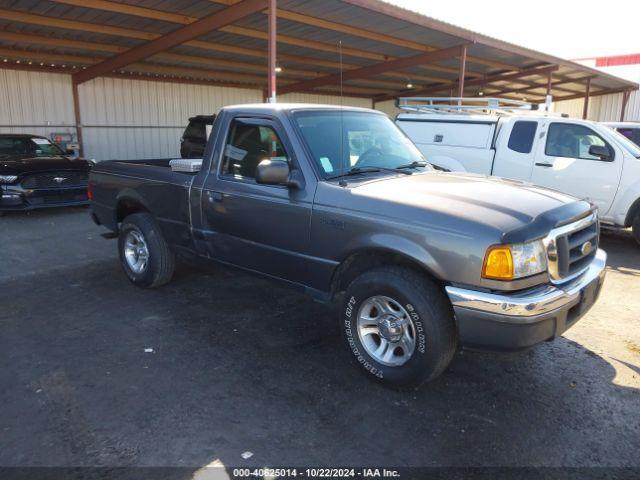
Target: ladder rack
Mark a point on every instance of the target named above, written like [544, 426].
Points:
[469, 106]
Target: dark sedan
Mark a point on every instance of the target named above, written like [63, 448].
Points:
[35, 173]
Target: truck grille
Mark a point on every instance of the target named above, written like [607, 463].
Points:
[571, 248]
[55, 180]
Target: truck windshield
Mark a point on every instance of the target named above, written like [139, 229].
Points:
[356, 141]
[28, 146]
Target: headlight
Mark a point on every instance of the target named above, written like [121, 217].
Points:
[510, 262]
[8, 178]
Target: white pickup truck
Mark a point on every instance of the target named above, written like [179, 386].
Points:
[585, 159]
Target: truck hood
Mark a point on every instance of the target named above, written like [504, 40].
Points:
[504, 205]
[19, 165]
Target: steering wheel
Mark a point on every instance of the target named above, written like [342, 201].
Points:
[368, 155]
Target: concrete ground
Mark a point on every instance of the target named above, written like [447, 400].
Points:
[240, 365]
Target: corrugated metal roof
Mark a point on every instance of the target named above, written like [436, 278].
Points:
[371, 32]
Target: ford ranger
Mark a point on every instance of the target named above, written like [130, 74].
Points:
[339, 203]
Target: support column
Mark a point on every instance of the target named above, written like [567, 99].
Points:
[272, 51]
[625, 100]
[585, 109]
[76, 112]
[548, 97]
[463, 67]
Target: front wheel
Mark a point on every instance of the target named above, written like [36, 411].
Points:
[144, 253]
[399, 326]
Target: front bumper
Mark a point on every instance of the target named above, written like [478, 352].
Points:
[515, 321]
[15, 198]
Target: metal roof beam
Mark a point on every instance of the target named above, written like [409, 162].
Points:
[376, 69]
[144, 12]
[554, 85]
[212, 22]
[368, 34]
[205, 62]
[474, 82]
[606, 91]
[106, 47]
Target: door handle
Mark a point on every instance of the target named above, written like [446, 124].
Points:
[544, 164]
[214, 196]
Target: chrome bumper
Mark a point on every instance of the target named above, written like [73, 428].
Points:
[520, 320]
[531, 302]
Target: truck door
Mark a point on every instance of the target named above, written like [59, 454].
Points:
[259, 227]
[563, 163]
[515, 149]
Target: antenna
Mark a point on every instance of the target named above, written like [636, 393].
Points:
[342, 182]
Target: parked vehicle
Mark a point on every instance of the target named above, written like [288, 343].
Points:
[35, 173]
[578, 157]
[631, 130]
[339, 204]
[194, 138]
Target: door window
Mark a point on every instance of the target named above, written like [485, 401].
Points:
[572, 141]
[247, 145]
[521, 139]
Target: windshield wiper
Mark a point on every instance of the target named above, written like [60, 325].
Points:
[359, 170]
[415, 164]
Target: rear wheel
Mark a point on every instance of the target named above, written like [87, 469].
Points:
[399, 326]
[636, 228]
[144, 253]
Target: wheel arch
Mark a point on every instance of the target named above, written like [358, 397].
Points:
[127, 203]
[367, 258]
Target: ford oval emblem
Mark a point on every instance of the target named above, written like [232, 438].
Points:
[586, 248]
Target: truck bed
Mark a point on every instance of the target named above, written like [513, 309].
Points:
[149, 182]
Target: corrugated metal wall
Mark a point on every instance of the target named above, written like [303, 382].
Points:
[122, 118]
[143, 119]
[34, 102]
[603, 109]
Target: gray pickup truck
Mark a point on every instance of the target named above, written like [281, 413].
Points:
[338, 203]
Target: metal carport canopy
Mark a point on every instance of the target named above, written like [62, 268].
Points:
[226, 42]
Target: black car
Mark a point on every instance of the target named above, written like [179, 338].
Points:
[195, 136]
[35, 173]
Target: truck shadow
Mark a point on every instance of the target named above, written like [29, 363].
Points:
[262, 369]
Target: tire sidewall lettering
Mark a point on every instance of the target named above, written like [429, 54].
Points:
[417, 322]
[348, 330]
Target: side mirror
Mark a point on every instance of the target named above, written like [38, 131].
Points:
[601, 152]
[272, 172]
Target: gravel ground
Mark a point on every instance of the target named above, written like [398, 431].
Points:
[240, 365]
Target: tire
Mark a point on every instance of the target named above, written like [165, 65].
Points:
[139, 232]
[636, 228]
[410, 295]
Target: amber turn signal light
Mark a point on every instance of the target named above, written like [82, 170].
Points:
[498, 263]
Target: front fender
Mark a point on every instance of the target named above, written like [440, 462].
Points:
[394, 244]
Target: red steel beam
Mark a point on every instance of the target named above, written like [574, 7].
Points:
[625, 100]
[196, 29]
[463, 66]
[76, 113]
[272, 50]
[585, 108]
[378, 68]
[548, 86]
[597, 93]
[473, 82]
